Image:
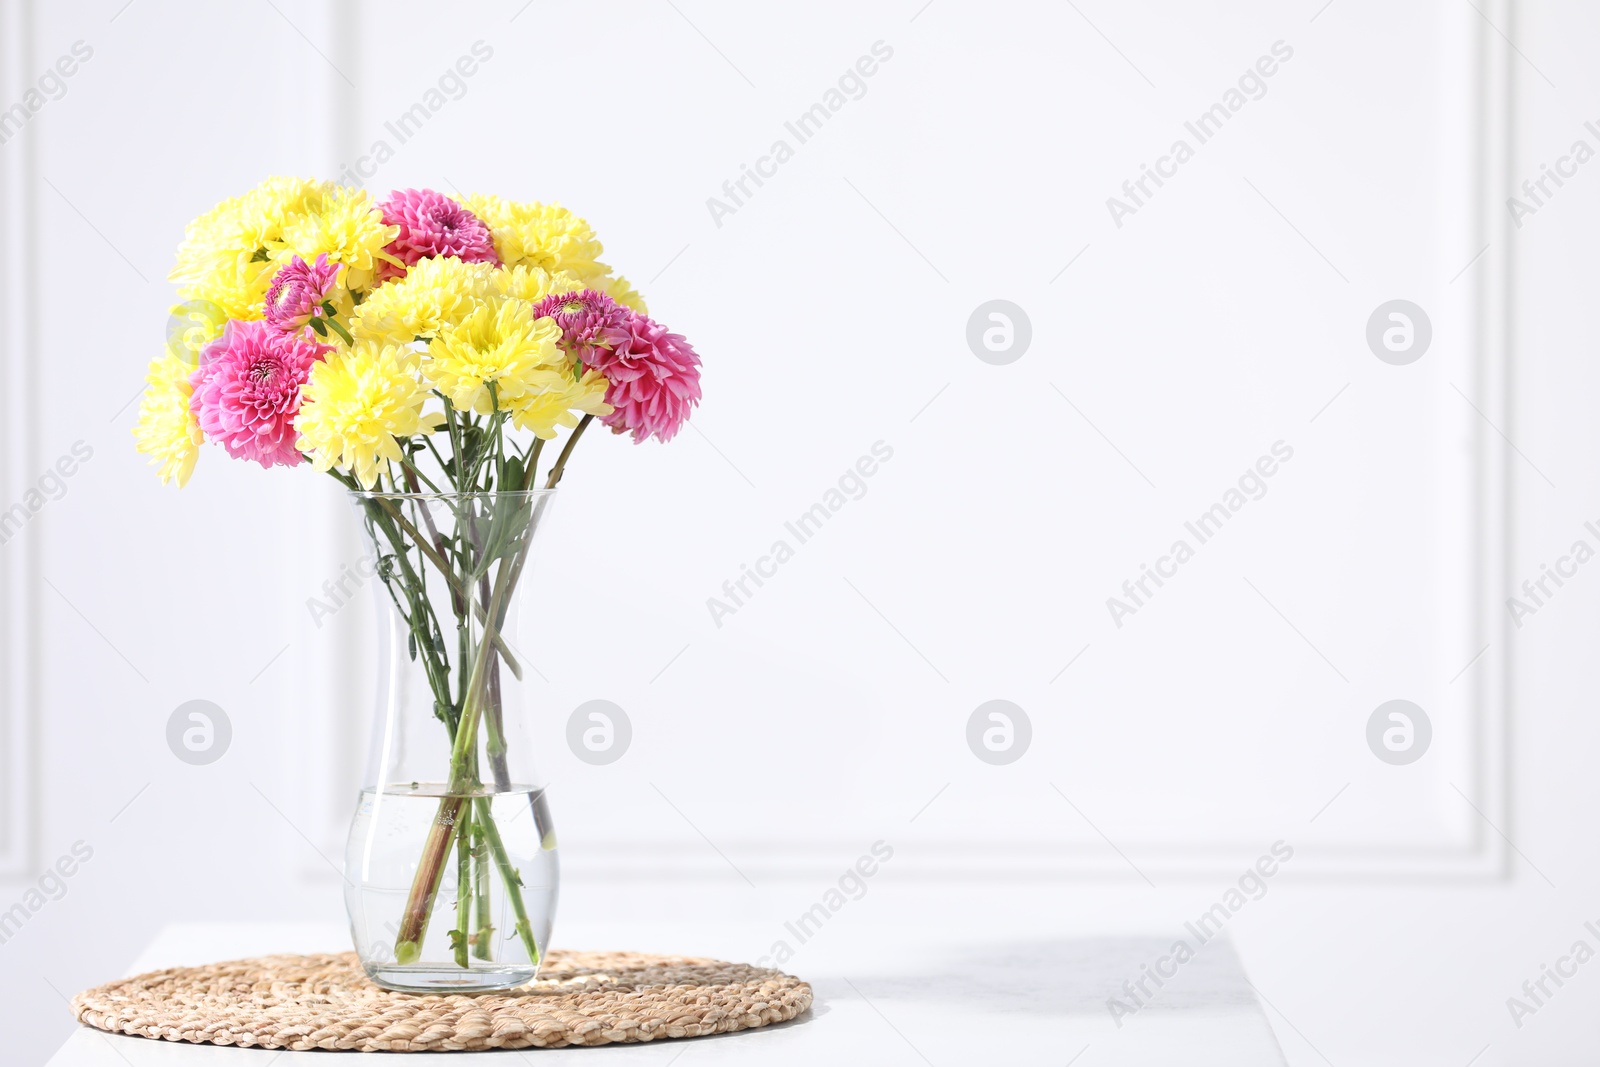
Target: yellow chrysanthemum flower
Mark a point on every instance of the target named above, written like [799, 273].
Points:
[621, 290]
[224, 257]
[533, 284]
[347, 226]
[357, 403]
[540, 235]
[435, 293]
[500, 343]
[556, 403]
[191, 326]
[166, 431]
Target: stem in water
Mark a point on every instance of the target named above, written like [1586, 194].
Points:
[425, 887]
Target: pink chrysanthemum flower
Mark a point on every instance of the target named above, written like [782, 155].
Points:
[298, 291]
[247, 390]
[589, 319]
[654, 380]
[431, 224]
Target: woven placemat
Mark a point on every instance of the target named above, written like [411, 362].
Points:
[327, 1002]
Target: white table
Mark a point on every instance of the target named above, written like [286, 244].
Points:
[1041, 1003]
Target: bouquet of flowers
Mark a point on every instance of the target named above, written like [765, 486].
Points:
[318, 324]
[418, 349]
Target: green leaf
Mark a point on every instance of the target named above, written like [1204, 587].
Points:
[260, 256]
[319, 326]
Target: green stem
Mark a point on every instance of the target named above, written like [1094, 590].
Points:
[413, 472]
[512, 879]
[421, 610]
[458, 936]
[439, 459]
[340, 330]
[483, 939]
[455, 434]
[566, 450]
[472, 708]
[530, 463]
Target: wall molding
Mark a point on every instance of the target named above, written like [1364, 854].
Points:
[1481, 854]
[19, 433]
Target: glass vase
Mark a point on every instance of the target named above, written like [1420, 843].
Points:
[450, 868]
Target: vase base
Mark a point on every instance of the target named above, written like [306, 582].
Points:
[447, 978]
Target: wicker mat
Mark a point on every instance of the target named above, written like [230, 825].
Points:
[326, 1002]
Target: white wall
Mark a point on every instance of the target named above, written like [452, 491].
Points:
[830, 710]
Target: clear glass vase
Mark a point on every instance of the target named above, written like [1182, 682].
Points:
[450, 868]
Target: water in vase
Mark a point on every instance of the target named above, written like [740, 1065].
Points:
[489, 922]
